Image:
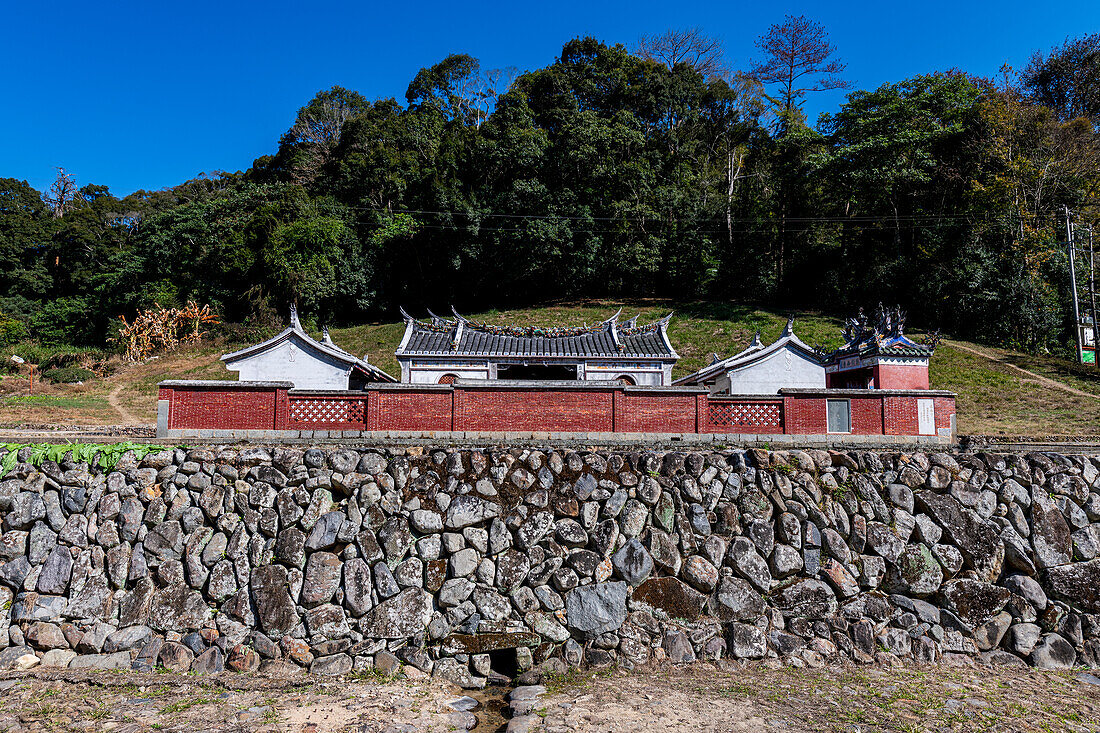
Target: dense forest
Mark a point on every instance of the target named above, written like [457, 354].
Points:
[654, 170]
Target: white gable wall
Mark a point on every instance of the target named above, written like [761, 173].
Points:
[785, 368]
[295, 361]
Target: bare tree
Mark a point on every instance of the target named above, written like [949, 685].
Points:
[62, 193]
[316, 130]
[797, 58]
[481, 90]
[690, 46]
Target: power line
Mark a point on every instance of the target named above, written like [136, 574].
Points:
[656, 218]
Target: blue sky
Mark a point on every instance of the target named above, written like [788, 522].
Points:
[146, 95]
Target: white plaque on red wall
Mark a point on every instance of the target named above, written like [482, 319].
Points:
[926, 416]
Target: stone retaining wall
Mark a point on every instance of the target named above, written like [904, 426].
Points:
[463, 562]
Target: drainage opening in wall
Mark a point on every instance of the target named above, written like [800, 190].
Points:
[504, 662]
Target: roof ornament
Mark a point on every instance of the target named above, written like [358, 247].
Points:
[612, 328]
[294, 322]
[714, 358]
[438, 320]
[457, 316]
[788, 330]
[632, 322]
[756, 343]
[325, 338]
[404, 314]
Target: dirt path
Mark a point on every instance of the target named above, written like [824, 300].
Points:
[1045, 381]
[125, 415]
[723, 697]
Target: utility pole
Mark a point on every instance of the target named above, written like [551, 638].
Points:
[1073, 285]
[1092, 303]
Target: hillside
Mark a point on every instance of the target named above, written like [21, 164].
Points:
[1001, 392]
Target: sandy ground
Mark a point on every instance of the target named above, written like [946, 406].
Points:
[700, 697]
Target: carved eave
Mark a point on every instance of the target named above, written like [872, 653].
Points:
[662, 328]
[613, 329]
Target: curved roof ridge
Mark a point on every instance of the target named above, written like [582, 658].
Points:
[325, 347]
[754, 352]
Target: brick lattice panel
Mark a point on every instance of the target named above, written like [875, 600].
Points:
[323, 413]
[763, 416]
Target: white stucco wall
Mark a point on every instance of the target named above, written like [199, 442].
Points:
[784, 368]
[293, 361]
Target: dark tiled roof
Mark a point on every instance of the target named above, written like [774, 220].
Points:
[480, 343]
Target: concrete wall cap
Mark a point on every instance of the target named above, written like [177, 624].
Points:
[224, 384]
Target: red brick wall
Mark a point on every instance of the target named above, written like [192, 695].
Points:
[898, 376]
[900, 415]
[866, 415]
[588, 411]
[412, 410]
[655, 413]
[804, 416]
[538, 410]
[214, 409]
[945, 410]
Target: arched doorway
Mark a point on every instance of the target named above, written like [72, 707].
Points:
[447, 379]
[626, 379]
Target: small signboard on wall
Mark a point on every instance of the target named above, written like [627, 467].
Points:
[1088, 344]
[926, 416]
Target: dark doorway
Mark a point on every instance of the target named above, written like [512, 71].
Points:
[539, 372]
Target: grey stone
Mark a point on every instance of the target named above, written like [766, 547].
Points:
[805, 598]
[357, 586]
[632, 562]
[56, 572]
[1053, 652]
[322, 578]
[747, 562]
[916, 573]
[1027, 588]
[467, 510]
[1022, 638]
[1050, 533]
[745, 642]
[976, 539]
[275, 611]
[118, 660]
[737, 600]
[405, 615]
[178, 608]
[597, 608]
[323, 534]
[973, 601]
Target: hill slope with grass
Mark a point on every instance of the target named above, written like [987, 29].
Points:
[1001, 392]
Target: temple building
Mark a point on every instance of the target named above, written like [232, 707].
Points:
[879, 355]
[294, 356]
[758, 370]
[441, 350]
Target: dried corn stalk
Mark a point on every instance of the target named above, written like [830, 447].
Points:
[160, 329]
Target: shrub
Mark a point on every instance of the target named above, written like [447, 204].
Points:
[68, 375]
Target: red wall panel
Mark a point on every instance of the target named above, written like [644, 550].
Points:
[655, 413]
[412, 410]
[898, 376]
[587, 411]
[804, 415]
[866, 415]
[213, 409]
